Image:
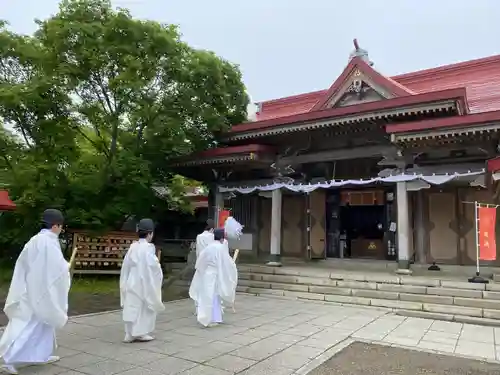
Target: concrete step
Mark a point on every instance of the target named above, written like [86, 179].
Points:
[445, 299]
[450, 317]
[453, 298]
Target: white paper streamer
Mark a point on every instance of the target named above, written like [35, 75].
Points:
[232, 228]
[435, 179]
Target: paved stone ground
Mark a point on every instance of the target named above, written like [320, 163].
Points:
[265, 336]
[87, 303]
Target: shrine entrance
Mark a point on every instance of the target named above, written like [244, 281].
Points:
[357, 224]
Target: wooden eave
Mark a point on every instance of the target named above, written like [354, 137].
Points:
[384, 109]
[445, 128]
[228, 155]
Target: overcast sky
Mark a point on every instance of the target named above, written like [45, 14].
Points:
[287, 47]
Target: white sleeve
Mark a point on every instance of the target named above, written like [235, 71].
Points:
[152, 278]
[198, 246]
[124, 274]
[227, 275]
[48, 281]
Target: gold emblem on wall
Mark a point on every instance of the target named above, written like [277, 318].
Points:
[372, 246]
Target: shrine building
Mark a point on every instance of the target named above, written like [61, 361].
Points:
[374, 167]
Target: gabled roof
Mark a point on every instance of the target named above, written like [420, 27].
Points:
[454, 95]
[480, 77]
[357, 67]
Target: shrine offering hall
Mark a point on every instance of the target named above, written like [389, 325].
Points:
[374, 167]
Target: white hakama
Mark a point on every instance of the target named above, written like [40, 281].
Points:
[202, 241]
[141, 281]
[35, 344]
[37, 303]
[217, 310]
[214, 283]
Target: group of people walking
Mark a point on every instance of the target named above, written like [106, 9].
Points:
[37, 302]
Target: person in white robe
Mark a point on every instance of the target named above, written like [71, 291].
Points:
[205, 238]
[37, 303]
[141, 279]
[214, 281]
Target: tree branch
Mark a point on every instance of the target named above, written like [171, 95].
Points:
[96, 146]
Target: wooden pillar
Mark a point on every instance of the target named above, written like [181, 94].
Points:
[420, 227]
[403, 229]
[219, 205]
[211, 201]
[275, 256]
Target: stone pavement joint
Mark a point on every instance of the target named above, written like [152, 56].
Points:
[265, 336]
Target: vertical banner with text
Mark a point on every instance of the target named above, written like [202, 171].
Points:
[487, 237]
[223, 215]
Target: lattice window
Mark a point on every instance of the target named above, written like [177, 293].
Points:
[244, 209]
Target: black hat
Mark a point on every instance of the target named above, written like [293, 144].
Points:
[210, 224]
[219, 234]
[52, 216]
[146, 225]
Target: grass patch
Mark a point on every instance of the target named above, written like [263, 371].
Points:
[79, 284]
[95, 285]
[86, 285]
[6, 272]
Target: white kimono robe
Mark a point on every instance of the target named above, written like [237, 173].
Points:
[214, 282]
[37, 303]
[141, 279]
[202, 241]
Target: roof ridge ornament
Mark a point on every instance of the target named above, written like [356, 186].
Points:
[252, 109]
[360, 52]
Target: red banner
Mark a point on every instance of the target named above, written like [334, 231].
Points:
[223, 215]
[487, 237]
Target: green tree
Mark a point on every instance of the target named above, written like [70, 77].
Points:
[101, 101]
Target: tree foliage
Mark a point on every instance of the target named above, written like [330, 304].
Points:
[99, 101]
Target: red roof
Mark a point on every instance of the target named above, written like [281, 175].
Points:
[457, 94]
[5, 203]
[480, 77]
[445, 122]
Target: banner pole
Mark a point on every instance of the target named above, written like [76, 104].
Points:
[477, 278]
[476, 221]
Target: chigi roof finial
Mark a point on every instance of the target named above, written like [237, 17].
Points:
[360, 52]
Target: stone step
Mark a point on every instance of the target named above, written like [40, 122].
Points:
[456, 299]
[453, 299]
[434, 295]
[462, 309]
[323, 277]
[449, 317]
[407, 284]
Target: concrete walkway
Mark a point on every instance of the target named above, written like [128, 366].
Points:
[264, 336]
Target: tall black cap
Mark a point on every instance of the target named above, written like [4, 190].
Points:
[146, 225]
[210, 224]
[52, 216]
[219, 234]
